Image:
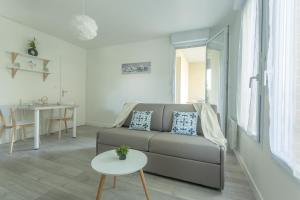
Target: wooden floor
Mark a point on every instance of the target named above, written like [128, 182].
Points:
[61, 170]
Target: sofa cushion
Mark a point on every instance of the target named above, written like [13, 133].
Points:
[138, 140]
[189, 147]
[156, 119]
[141, 120]
[168, 116]
[185, 123]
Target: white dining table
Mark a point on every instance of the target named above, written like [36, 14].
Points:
[38, 108]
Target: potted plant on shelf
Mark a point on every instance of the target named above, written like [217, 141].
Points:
[32, 47]
[122, 152]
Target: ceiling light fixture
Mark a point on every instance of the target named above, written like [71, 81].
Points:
[85, 25]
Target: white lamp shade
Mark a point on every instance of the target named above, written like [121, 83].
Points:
[86, 27]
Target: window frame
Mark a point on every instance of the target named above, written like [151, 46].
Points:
[261, 78]
[264, 41]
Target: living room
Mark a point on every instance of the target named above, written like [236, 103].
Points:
[91, 99]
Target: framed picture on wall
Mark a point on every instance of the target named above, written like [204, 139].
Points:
[136, 68]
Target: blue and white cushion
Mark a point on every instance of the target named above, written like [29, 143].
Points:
[184, 123]
[141, 120]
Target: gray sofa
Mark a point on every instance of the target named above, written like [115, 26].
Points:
[189, 158]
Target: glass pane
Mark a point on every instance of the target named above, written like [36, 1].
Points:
[216, 74]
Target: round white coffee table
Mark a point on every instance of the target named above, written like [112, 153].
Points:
[108, 164]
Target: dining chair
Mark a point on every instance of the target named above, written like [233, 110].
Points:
[14, 125]
[64, 118]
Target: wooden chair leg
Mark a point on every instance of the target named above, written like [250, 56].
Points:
[115, 182]
[21, 134]
[66, 126]
[100, 188]
[48, 127]
[24, 132]
[2, 129]
[144, 184]
[59, 131]
[13, 133]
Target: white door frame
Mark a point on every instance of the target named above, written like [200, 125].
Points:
[173, 65]
[224, 30]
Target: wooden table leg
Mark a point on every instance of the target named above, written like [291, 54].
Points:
[36, 129]
[115, 182]
[144, 184]
[100, 188]
[74, 122]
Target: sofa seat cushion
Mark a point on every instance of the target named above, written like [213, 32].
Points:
[138, 140]
[182, 146]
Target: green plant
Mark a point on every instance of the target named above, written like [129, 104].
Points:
[32, 43]
[122, 150]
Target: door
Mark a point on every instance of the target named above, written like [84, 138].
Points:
[216, 74]
[72, 82]
[190, 75]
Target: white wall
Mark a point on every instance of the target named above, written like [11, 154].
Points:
[196, 82]
[108, 89]
[182, 74]
[214, 58]
[270, 180]
[177, 79]
[184, 80]
[30, 86]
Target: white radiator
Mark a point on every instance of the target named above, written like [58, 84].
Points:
[232, 133]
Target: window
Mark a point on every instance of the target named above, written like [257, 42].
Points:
[284, 82]
[248, 81]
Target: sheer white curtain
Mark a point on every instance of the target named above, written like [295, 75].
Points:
[248, 62]
[284, 82]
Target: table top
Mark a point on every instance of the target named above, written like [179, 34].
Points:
[108, 163]
[45, 106]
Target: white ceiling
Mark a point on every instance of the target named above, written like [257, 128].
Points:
[119, 21]
[194, 55]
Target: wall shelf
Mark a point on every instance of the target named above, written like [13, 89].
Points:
[14, 69]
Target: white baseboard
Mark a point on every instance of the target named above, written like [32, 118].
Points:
[252, 183]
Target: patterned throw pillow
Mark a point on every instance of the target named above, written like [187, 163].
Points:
[184, 123]
[141, 120]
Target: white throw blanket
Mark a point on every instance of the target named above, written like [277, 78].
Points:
[126, 110]
[210, 125]
[209, 121]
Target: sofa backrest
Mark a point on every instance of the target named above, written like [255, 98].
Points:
[157, 115]
[162, 117]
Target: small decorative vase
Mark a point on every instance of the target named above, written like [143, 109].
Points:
[33, 52]
[122, 157]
